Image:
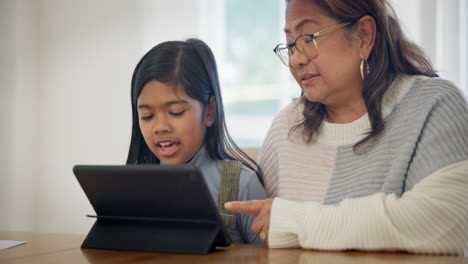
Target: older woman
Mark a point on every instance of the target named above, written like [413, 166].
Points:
[374, 155]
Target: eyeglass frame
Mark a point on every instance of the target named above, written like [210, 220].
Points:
[315, 35]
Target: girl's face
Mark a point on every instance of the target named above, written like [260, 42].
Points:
[332, 76]
[172, 123]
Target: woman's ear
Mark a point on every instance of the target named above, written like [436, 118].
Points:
[366, 31]
[211, 112]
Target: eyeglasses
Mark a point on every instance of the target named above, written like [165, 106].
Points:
[305, 44]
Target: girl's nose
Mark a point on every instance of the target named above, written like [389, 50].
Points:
[160, 125]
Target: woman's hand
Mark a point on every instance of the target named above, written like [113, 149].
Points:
[261, 209]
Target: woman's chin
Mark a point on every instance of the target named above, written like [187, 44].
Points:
[311, 94]
[313, 98]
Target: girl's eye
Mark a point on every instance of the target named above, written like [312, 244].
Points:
[146, 117]
[177, 113]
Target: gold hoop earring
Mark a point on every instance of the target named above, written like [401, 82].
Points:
[209, 123]
[364, 74]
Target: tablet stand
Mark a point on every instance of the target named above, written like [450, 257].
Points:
[152, 234]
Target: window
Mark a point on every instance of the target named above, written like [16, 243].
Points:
[440, 27]
[255, 84]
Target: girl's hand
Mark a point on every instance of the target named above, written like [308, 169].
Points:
[261, 209]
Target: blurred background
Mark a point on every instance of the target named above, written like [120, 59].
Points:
[65, 70]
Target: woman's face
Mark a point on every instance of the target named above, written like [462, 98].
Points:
[332, 77]
[172, 123]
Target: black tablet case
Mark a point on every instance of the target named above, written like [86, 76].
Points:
[151, 208]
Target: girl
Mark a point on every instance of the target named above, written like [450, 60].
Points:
[178, 118]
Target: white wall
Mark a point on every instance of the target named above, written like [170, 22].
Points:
[6, 92]
[88, 51]
[65, 98]
[19, 88]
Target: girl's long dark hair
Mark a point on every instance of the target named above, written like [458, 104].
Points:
[393, 53]
[190, 65]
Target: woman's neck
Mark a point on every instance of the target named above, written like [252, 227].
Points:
[346, 113]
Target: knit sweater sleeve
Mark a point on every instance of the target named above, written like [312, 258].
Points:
[443, 139]
[430, 218]
[268, 158]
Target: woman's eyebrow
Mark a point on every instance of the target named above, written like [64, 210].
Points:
[298, 26]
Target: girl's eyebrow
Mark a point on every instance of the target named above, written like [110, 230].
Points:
[175, 102]
[169, 103]
[143, 106]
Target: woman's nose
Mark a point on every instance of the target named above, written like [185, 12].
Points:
[298, 59]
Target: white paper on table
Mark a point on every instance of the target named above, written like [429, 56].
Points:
[4, 244]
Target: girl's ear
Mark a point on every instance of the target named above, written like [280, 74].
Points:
[211, 112]
[366, 31]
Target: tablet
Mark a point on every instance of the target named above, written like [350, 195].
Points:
[151, 208]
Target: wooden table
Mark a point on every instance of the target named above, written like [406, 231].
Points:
[57, 248]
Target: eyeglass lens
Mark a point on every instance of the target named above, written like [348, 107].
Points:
[304, 44]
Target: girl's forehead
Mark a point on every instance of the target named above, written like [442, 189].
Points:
[162, 89]
[156, 93]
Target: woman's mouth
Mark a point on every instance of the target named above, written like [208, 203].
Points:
[308, 78]
[167, 148]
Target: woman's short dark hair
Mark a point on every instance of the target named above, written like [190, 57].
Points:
[191, 66]
[393, 53]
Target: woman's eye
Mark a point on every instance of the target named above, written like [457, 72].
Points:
[177, 113]
[146, 117]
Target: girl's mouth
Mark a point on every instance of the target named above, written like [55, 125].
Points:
[168, 148]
